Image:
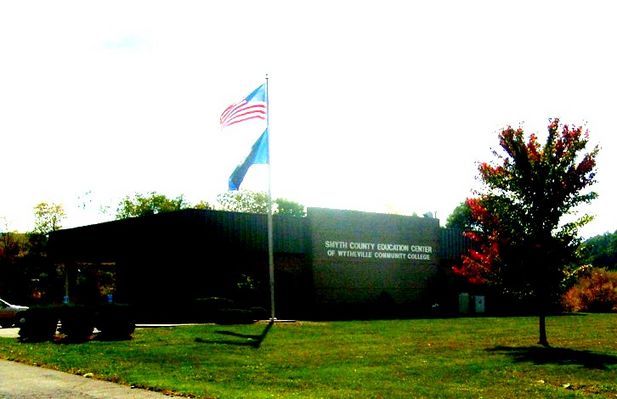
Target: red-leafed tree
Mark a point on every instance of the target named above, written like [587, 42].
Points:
[523, 245]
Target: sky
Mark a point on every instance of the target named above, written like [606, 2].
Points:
[379, 106]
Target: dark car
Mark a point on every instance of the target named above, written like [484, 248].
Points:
[9, 313]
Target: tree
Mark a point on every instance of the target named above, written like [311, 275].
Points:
[257, 202]
[523, 246]
[34, 270]
[461, 218]
[153, 203]
[48, 218]
[202, 205]
[289, 208]
[13, 248]
[13, 245]
[601, 250]
[243, 201]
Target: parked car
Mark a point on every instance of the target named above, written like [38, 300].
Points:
[9, 313]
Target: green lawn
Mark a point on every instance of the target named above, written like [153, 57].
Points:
[432, 358]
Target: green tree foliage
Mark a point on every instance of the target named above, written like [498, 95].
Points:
[461, 218]
[13, 248]
[25, 271]
[524, 247]
[243, 201]
[150, 204]
[601, 250]
[289, 208]
[12, 244]
[232, 201]
[48, 218]
[202, 205]
[257, 202]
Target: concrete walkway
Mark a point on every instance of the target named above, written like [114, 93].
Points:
[9, 332]
[21, 381]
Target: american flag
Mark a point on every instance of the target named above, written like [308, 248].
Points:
[251, 107]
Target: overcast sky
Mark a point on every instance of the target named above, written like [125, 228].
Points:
[382, 106]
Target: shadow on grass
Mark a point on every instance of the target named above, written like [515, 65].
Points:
[254, 341]
[559, 356]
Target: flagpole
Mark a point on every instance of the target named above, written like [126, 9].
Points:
[270, 238]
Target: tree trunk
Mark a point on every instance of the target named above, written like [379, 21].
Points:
[542, 298]
[543, 340]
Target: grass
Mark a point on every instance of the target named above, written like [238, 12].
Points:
[423, 358]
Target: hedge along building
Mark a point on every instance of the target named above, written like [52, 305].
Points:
[331, 263]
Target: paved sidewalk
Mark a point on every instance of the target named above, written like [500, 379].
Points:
[9, 332]
[19, 381]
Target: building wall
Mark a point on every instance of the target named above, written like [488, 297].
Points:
[330, 258]
[361, 258]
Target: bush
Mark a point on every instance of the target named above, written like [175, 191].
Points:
[595, 291]
[76, 322]
[115, 322]
[38, 324]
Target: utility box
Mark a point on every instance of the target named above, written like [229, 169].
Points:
[479, 303]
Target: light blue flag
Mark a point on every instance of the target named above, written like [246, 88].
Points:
[259, 155]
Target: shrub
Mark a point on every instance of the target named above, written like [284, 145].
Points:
[76, 322]
[115, 322]
[38, 324]
[595, 291]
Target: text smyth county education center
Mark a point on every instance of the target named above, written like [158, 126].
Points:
[331, 263]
